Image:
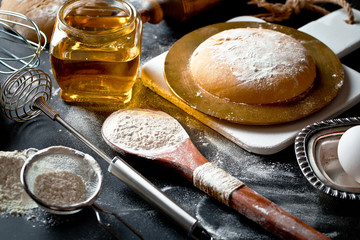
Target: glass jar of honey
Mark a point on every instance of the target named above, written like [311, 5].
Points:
[95, 50]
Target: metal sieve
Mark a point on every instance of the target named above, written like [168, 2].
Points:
[63, 159]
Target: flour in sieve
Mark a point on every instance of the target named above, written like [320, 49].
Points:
[13, 198]
[140, 130]
[60, 188]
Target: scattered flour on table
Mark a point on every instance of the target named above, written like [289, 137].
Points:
[83, 120]
[140, 130]
[56, 92]
[13, 198]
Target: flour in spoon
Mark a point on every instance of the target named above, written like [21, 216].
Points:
[143, 130]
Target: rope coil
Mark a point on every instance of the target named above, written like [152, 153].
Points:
[279, 12]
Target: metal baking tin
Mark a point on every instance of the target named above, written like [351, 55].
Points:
[328, 82]
[316, 153]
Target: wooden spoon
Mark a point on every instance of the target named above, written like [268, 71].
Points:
[185, 159]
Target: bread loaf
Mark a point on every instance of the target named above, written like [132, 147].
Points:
[253, 66]
[42, 12]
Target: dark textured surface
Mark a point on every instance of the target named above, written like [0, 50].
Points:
[276, 177]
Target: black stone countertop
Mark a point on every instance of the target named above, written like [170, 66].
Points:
[277, 177]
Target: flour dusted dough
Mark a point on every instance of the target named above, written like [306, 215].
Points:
[42, 12]
[253, 66]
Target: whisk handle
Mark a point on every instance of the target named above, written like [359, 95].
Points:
[41, 104]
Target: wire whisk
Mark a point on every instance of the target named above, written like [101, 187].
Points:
[24, 53]
[21, 89]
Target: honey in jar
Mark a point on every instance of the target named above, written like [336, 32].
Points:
[95, 50]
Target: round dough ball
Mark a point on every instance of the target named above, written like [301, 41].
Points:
[42, 12]
[253, 66]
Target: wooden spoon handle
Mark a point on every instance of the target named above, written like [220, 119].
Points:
[270, 216]
[187, 160]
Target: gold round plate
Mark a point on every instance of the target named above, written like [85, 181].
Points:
[328, 82]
